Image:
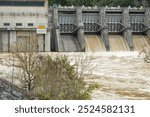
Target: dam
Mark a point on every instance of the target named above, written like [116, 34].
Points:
[95, 29]
[73, 28]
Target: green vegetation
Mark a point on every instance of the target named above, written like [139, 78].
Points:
[57, 79]
[122, 3]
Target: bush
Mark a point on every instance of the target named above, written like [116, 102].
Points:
[57, 79]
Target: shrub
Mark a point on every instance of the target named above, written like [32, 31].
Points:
[57, 79]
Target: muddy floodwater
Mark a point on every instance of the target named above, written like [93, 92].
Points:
[121, 75]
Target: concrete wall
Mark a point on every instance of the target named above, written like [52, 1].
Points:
[80, 32]
[147, 21]
[25, 15]
[127, 32]
[104, 31]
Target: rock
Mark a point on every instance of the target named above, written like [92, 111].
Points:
[17, 94]
[9, 91]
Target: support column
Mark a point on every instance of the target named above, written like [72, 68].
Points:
[47, 42]
[40, 39]
[104, 31]
[56, 31]
[80, 32]
[9, 41]
[127, 32]
[147, 22]
[13, 38]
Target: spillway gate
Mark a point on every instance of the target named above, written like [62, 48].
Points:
[77, 22]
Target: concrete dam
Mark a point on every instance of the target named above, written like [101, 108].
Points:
[74, 29]
[94, 29]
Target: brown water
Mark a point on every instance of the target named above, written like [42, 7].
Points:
[139, 41]
[118, 43]
[94, 43]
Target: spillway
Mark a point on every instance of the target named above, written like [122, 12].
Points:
[118, 43]
[70, 43]
[93, 43]
[139, 41]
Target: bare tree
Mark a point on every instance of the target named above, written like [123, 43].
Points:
[25, 57]
[146, 51]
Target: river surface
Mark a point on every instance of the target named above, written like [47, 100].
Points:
[121, 75]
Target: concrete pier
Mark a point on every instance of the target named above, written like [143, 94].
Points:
[127, 33]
